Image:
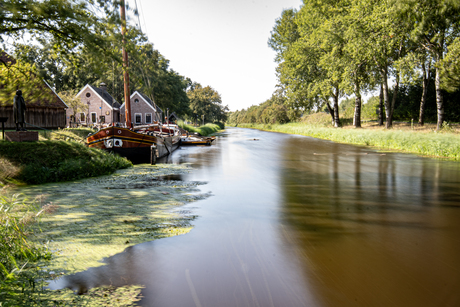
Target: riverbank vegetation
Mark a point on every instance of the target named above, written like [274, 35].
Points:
[60, 156]
[405, 136]
[205, 130]
[19, 278]
[404, 53]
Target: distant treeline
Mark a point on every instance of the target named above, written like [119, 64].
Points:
[407, 108]
[406, 51]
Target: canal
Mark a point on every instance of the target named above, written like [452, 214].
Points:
[296, 221]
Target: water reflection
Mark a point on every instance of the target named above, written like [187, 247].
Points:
[296, 221]
[373, 229]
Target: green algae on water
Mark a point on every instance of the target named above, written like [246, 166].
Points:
[98, 217]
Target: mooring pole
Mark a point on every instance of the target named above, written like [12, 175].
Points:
[3, 120]
[153, 155]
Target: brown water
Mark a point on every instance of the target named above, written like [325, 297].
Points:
[296, 221]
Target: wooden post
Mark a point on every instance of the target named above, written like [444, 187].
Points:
[3, 120]
[153, 155]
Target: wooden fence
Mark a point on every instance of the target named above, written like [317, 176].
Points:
[48, 118]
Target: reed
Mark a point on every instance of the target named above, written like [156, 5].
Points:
[21, 282]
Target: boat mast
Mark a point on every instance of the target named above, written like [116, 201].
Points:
[125, 67]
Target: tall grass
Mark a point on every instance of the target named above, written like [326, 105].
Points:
[445, 145]
[19, 280]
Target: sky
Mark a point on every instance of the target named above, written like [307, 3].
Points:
[218, 43]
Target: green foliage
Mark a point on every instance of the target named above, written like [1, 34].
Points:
[205, 130]
[206, 102]
[370, 108]
[19, 282]
[54, 161]
[68, 22]
[73, 102]
[274, 110]
[347, 107]
[450, 67]
[331, 48]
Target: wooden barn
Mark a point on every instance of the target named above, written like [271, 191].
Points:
[45, 109]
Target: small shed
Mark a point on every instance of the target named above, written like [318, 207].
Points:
[173, 118]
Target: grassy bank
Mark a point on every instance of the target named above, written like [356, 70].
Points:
[54, 161]
[429, 143]
[59, 156]
[203, 130]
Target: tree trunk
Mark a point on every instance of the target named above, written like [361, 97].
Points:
[381, 106]
[336, 110]
[335, 106]
[439, 96]
[393, 100]
[386, 98]
[425, 83]
[331, 111]
[357, 117]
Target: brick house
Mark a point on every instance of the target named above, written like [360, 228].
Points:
[143, 110]
[101, 107]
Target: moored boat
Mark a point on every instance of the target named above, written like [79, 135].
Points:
[135, 144]
[197, 140]
[138, 144]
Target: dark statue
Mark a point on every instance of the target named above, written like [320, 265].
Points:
[19, 110]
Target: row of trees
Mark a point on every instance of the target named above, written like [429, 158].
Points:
[73, 46]
[271, 111]
[329, 49]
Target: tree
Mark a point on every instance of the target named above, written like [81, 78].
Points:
[206, 101]
[68, 22]
[73, 102]
[435, 25]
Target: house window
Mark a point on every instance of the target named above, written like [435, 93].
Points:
[138, 118]
[136, 100]
[93, 117]
[102, 119]
[148, 118]
[88, 95]
[82, 117]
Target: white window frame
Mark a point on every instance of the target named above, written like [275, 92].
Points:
[84, 117]
[151, 118]
[135, 117]
[95, 117]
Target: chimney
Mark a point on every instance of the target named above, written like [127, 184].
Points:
[103, 86]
